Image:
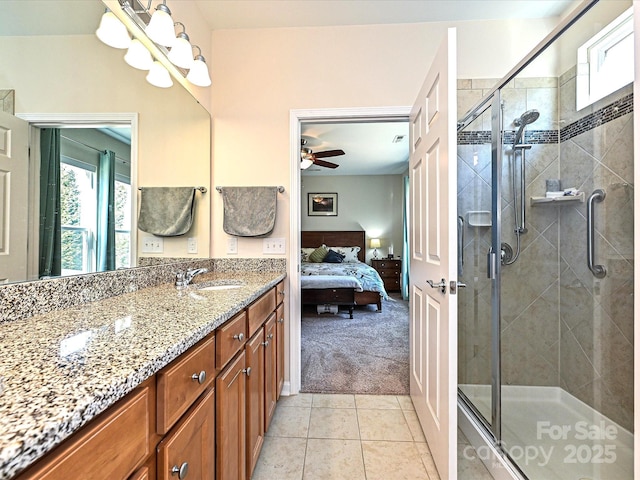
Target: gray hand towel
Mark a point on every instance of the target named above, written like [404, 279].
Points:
[166, 211]
[249, 211]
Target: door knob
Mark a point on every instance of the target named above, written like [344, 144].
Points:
[442, 285]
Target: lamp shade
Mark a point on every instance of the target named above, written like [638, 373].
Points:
[159, 76]
[138, 56]
[375, 243]
[160, 28]
[112, 31]
[199, 73]
[180, 53]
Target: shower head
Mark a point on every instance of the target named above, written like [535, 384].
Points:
[525, 119]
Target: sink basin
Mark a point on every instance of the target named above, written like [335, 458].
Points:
[220, 287]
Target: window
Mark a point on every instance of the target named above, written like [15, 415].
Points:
[605, 62]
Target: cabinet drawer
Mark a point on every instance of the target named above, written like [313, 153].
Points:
[190, 445]
[391, 264]
[182, 382]
[230, 338]
[280, 293]
[113, 446]
[259, 311]
[389, 273]
[342, 296]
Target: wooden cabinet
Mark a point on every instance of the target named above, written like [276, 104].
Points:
[270, 366]
[280, 338]
[389, 271]
[113, 445]
[188, 450]
[255, 352]
[230, 421]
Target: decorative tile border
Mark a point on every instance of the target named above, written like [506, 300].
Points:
[480, 137]
[606, 114]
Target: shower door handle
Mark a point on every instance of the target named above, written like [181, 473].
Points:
[599, 271]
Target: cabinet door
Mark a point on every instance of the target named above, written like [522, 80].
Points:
[279, 350]
[270, 368]
[230, 421]
[188, 450]
[255, 397]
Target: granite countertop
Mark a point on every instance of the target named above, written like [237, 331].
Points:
[60, 369]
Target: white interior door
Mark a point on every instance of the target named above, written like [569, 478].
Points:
[14, 177]
[433, 249]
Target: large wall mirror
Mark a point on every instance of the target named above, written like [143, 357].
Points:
[64, 77]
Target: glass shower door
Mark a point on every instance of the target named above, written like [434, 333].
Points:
[474, 241]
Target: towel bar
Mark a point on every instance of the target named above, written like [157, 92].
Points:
[280, 189]
[202, 189]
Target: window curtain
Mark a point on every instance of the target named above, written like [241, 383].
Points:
[50, 237]
[404, 275]
[106, 231]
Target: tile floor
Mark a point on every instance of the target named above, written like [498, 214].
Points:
[351, 437]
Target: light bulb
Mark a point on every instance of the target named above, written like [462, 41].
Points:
[138, 56]
[199, 73]
[159, 76]
[160, 28]
[180, 53]
[112, 31]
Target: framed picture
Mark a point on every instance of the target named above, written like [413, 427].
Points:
[323, 204]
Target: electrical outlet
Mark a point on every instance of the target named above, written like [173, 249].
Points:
[272, 246]
[232, 245]
[192, 245]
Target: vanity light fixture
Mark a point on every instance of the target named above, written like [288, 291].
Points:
[199, 73]
[181, 52]
[138, 56]
[160, 28]
[159, 76]
[112, 31]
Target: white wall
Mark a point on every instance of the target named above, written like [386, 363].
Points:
[260, 75]
[372, 203]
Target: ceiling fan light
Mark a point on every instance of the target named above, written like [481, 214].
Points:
[305, 163]
[138, 56]
[160, 28]
[180, 53]
[199, 73]
[158, 76]
[112, 31]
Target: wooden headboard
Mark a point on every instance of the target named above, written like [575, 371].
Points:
[313, 239]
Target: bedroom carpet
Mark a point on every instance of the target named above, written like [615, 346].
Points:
[368, 354]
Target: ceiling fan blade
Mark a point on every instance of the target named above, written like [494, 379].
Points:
[328, 153]
[322, 163]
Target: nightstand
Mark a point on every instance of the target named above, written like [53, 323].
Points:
[389, 270]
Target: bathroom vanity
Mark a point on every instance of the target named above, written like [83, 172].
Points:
[159, 383]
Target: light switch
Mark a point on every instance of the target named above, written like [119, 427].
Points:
[232, 245]
[192, 245]
[273, 246]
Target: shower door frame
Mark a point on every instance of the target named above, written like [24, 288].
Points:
[492, 100]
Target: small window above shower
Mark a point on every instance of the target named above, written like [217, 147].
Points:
[605, 61]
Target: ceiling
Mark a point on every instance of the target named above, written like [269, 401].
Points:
[368, 146]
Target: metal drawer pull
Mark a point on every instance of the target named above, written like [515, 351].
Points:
[442, 285]
[599, 271]
[182, 471]
[201, 377]
[281, 292]
[270, 336]
[247, 371]
[265, 343]
[281, 320]
[239, 337]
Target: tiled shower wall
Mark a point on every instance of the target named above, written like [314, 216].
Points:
[560, 325]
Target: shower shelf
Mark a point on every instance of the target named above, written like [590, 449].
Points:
[539, 201]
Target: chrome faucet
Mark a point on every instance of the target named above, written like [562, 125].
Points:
[184, 278]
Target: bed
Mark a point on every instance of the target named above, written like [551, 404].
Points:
[371, 288]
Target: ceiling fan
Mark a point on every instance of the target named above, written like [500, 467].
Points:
[309, 158]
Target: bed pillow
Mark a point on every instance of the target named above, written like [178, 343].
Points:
[318, 254]
[304, 254]
[333, 257]
[350, 254]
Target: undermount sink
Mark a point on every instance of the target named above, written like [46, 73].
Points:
[220, 287]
